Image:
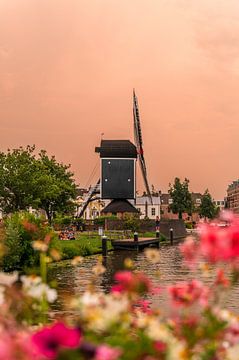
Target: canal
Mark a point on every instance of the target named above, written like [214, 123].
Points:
[73, 280]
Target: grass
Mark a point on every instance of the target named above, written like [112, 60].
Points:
[86, 244]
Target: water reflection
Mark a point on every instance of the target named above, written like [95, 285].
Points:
[74, 280]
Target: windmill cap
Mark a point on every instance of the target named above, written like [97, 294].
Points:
[117, 149]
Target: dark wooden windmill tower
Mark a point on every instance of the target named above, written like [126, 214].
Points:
[118, 175]
[118, 171]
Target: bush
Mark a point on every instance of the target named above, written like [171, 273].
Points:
[62, 220]
[18, 241]
[101, 220]
[131, 223]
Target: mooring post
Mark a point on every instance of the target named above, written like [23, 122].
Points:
[171, 236]
[104, 245]
[136, 237]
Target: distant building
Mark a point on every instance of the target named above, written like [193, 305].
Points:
[221, 204]
[146, 209]
[166, 212]
[233, 196]
[93, 209]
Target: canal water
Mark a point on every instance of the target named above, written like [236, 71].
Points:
[73, 280]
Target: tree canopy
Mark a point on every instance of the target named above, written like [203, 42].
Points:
[181, 197]
[207, 208]
[27, 180]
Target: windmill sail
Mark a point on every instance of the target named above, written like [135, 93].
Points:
[139, 145]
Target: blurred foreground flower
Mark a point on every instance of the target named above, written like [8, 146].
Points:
[152, 255]
[34, 287]
[8, 279]
[105, 352]
[50, 340]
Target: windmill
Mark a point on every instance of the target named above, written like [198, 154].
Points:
[118, 164]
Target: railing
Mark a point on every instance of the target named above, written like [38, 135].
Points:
[119, 234]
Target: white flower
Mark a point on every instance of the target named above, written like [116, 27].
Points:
[34, 287]
[157, 331]
[29, 281]
[232, 353]
[8, 279]
[152, 255]
[41, 290]
[90, 299]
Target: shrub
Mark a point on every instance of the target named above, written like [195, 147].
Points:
[101, 220]
[189, 226]
[131, 223]
[18, 241]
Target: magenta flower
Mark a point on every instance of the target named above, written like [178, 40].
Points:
[50, 340]
[105, 352]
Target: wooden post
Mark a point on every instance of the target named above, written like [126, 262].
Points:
[104, 245]
[136, 238]
[171, 236]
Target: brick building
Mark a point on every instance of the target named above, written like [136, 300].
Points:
[233, 196]
[166, 213]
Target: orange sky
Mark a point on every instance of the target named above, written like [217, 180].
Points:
[67, 69]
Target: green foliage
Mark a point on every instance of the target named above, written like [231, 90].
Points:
[131, 222]
[18, 242]
[40, 182]
[56, 188]
[17, 179]
[101, 220]
[189, 226]
[63, 220]
[207, 208]
[182, 200]
[82, 246]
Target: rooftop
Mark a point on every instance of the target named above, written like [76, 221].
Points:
[117, 149]
[119, 206]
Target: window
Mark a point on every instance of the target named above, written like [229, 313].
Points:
[153, 211]
[170, 201]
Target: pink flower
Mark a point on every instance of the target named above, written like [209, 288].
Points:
[220, 243]
[232, 334]
[190, 251]
[105, 352]
[130, 282]
[50, 340]
[187, 293]
[221, 278]
[144, 306]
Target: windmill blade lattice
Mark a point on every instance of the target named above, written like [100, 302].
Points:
[139, 145]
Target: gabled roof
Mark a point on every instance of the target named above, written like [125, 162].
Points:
[119, 206]
[117, 149]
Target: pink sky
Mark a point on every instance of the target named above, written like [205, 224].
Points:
[67, 69]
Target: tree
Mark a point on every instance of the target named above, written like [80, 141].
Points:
[207, 208]
[182, 200]
[17, 170]
[27, 180]
[56, 189]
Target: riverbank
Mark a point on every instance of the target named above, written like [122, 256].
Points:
[86, 244]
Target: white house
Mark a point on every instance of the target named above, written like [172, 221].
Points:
[146, 209]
